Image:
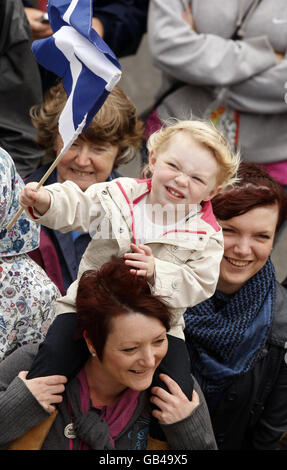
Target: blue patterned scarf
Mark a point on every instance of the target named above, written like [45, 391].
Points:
[226, 333]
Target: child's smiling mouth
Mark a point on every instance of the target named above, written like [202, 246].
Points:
[82, 173]
[174, 192]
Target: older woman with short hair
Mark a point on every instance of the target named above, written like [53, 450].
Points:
[237, 338]
[107, 405]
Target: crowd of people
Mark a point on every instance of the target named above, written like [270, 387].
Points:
[144, 313]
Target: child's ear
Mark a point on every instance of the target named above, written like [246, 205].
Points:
[213, 193]
[151, 161]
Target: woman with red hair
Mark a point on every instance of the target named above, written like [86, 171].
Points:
[237, 339]
[107, 405]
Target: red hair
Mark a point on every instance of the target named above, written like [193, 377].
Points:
[112, 291]
[255, 188]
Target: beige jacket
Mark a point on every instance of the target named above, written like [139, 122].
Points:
[187, 260]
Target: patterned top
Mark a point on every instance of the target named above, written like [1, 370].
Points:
[27, 295]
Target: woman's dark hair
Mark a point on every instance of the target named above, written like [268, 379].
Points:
[255, 188]
[112, 291]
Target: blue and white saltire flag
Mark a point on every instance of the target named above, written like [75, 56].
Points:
[87, 66]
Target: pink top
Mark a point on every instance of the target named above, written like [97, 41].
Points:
[278, 171]
[116, 416]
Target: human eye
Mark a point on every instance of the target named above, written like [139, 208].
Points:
[75, 144]
[98, 148]
[227, 230]
[263, 236]
[196, 178]
[129, 350]
[159, 341]
[172, 165]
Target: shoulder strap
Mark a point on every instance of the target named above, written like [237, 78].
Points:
[34, 438]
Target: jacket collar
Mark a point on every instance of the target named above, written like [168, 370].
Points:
[144, 187]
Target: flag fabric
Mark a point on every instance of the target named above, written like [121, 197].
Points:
[76, 53]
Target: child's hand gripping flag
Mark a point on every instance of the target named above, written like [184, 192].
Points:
[87, 66]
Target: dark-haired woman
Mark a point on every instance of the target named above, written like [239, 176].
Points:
[106, 405]
[237, 339]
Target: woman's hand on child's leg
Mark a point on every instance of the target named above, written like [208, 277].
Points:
[141, 261]
[173, 406]
[39, 199]
[46, 390]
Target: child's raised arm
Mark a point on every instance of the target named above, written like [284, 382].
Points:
[38, 199]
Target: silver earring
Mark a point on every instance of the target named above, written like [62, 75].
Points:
[94, 354]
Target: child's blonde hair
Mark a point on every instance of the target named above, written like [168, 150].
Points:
[207, 134]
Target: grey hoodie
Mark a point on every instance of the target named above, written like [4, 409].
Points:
[213, 69]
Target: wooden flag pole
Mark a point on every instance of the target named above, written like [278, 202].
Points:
[52, 167]
[41, 182]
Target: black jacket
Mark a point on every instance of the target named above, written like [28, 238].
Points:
[20, 88]
[252, 414]
[125, 23]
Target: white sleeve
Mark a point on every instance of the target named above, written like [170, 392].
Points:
[71, 208]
